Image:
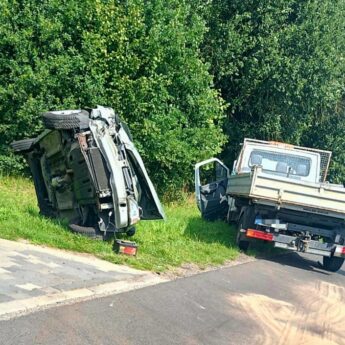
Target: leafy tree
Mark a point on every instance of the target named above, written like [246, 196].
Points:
[140, 57]
[279, 65]
[328, 132]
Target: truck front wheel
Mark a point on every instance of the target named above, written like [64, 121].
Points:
[332, 264]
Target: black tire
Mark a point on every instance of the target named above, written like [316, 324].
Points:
[45, 207]
[87, 231]
[242, 244]
[131, 232]
[65, 121]
[108, 236]
[332, 264]
[246, 221]
[24, 145]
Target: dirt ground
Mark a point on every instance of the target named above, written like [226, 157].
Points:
[311, 322]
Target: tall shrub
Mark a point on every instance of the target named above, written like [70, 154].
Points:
[140, 57]
[279, 65]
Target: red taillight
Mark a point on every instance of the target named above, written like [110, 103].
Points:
[259, 234]
[125, 247]
[343, 251]
[128, 250]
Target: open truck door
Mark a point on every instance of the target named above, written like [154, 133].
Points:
[211, 179]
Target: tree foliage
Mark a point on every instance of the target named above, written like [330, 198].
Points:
[140, 57]
[280, 67]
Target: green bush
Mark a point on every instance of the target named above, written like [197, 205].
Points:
[328, 133]
[140, 57]
[279, 65]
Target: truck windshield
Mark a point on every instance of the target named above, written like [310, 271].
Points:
[280, 163]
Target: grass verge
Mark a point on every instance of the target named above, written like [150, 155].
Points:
[183, 238]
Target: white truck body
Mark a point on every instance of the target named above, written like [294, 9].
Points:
[277, 192]
[262, 188]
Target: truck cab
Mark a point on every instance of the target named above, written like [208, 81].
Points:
[280, 160]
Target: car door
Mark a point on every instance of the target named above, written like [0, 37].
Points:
[211, 179]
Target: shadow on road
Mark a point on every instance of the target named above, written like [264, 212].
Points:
[298, 261]
[225, 234]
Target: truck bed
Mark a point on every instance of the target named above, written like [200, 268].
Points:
[263, 188]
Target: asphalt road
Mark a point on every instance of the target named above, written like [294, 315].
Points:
[285, 300]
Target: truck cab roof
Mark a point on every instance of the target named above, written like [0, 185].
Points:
[283, 160]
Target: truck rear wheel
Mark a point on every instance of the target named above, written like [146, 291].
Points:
[332, 264]
[242, 244]
[246, 221]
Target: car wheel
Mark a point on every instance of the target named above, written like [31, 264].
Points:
[332, 264]
[24, 145]
[41, 191]
[131, 232]
[65, 120]
[87, 231]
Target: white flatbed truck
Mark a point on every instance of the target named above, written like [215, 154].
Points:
[277, 192]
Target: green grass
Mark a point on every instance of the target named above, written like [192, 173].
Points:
[183, 238]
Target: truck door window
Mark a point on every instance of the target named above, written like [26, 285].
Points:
[212, 172]
[280, 163]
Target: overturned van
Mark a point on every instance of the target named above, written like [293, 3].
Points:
[87, 170]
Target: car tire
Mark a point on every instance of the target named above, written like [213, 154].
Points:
[87, 231]
[131, 232]
[24, 145]
[45, 207]
[66, 121]
[332, 264]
